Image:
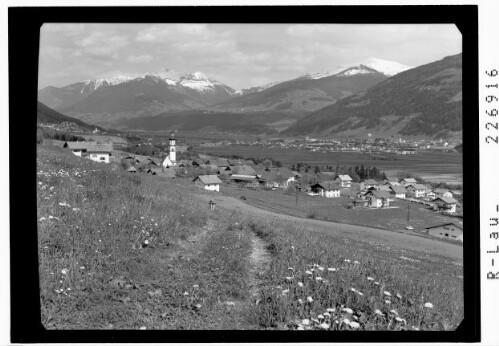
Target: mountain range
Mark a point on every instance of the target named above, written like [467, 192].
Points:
[367, 96]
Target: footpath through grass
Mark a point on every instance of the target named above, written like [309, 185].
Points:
[124, 251]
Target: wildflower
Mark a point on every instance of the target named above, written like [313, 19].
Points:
[376, 283]
[360, 293]
[308, 272]
[356, 262]
[378, 312]
[64, 271]
[415, 328]
[347, 310]
[324, 326]
[50, 217]
[348, 261]
[330, 310]
[285, 292]
[331, 269]
[82, 267]
[399, 296]
[143, 328]
[327, 314]
[195, 286]
[318, 278]
[428, 305]
[346, 321]
[290, 268]
[300, 328]
[289, 278]
[309, 299]
[401, 320]
[320, 317]
[370, 278]
[69, 289]
[394, 312]
[42, 218]
[305, 322]
[300, 284]
[76, 209]
[388, 302]
[142, 218]
[388, 294]
[321, 268]
[300, 301]
[146, 242]
[353, 290]
[186, 293]
[355, 317]
[231, 303]
[315, 320]
[198, 306]
[354, 325]
[292, 248]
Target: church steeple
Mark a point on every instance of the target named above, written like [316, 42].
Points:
[173, 154]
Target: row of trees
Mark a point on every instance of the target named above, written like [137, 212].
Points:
[61, 136]
[357, 173]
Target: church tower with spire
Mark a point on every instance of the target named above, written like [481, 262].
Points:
[173, 154]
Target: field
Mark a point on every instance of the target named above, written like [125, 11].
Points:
[125, 251]
[335, 209]
[437, 166]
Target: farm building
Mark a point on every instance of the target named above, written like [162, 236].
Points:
[245, 180]
[167, 163]
[208, 182]
[393, 180]
[366, 184]
[399, 191]
[93, 151]
[408, 181]
[220, 163]
[446, 204]
[430, 195]
[328, 189]
[443, 193]
[447, 230]
[344, 180]
[357, 203]
[243, 170]
[379, 199]
[417, 190]
[276, 177]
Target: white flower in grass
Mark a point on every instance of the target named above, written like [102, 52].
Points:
[388, 302]
[289, 278]
[320, 317]
[399, 296]
[309, 299]
[336, 321]
[324, 326]
[186, 293]
[195, 286]
[42, 218]
[355, 317]
[64, 271]
[394, 312]
[331, 310]
[428, 305]
[308, 272]
[300, 301]
[353, 290]
[354, 325]
[292, 247]
[401, 320]
[318, 278]
[415, 328]
[50, 217]
[346, 321]
[305, 322]
[388, 294]
[347, 310]
[370, 278]
[315, 320]
[143, 328]
[356, 262]
[291, 268]
[376, 283]
[321, 268]
[300, 328]
[348, 261]
[285, 292]
[300, 284]
[331, 269]
[378, 312]
[327, 314]
[82, 267]
[360, 293]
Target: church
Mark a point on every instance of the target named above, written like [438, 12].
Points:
[171, 159]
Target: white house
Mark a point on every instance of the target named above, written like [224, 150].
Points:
[366, 184]
[399, 191]
[208, 182]
[344, 180]
[93, 151]
[443, 193]
[446, 204]
[326, 189]
[379, 199]
[417, 190]
[167, 163]
[447, 230]
[408, 181]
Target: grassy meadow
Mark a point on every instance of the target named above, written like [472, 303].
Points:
[125, 251]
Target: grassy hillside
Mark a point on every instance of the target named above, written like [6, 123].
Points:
[46, 114]
[426, 100]
[125, 251]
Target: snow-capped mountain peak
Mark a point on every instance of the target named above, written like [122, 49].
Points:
[387, 67]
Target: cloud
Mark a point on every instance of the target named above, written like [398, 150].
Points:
[140, 59]
[102, 44]
[68, 29]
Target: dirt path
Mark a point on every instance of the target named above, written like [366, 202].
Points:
[259, 261]
[399, 240]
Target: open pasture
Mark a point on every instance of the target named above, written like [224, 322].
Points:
[434, 165]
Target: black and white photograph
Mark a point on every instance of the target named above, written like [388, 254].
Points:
[254, 176]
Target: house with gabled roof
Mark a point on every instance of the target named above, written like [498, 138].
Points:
[417, 190]
[208, 182]
[344, 180]
[439, 192]
[91, 150]
[378, 199]
[408, 181]
[392, 180]
[220, 163]
[446, 204]
[448, 230]
[243, 170]
[366, 184]
[276, 177]
[398, 191]
[328, 189]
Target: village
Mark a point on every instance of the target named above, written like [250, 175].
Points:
[222, 175]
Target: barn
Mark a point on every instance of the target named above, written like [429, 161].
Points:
[447, 230]
[208, 182]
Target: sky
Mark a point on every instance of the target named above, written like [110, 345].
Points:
[239, 55]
